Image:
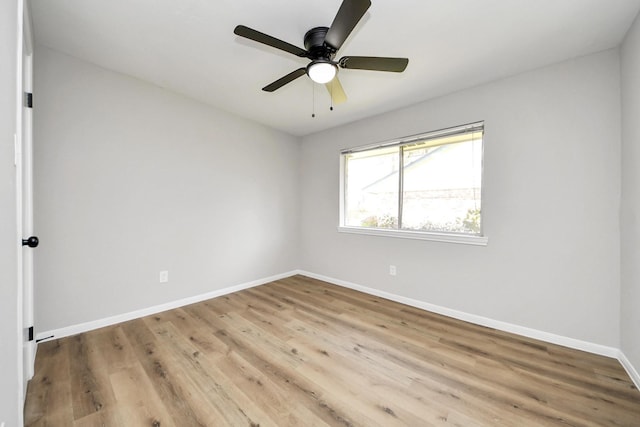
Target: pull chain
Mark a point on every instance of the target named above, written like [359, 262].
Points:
[313, 102]
[331, 95]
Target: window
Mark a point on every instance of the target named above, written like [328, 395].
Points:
[419, 187]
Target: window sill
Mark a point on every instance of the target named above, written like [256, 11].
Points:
[404, 234]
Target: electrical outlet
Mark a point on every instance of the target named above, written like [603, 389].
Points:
[164, 276]
[392, 270]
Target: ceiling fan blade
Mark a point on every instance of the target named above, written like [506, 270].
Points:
[336, 91]
[284, 80]
[348, 16]
[374, 63]
[259, 37]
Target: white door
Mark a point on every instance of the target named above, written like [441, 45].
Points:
[24, 180]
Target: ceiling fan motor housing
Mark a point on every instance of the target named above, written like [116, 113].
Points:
[315, 45]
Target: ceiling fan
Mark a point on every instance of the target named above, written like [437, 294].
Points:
[321, 45]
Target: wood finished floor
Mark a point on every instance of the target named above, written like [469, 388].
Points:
[301, 352]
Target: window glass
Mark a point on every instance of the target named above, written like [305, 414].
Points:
[371, 190]
[441, 190]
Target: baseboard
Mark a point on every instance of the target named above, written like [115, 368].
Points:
[626, 364]
[100, 323]
[478, 320]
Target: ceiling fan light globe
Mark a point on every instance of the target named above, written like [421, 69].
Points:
[322, 72]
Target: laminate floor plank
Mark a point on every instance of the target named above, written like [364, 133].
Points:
[113, 352]
[329, 367]
[302, 352]
[136, 395]
[192, 328]
[90, 387]
[266, 392]
[301, 391]
[218, 390]
[50, 387]
[181, 401]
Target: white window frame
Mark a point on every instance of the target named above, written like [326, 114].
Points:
[462, 238]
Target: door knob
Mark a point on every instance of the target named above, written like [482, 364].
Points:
[32, 242]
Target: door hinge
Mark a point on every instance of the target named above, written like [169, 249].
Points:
[30, 333]
[28, 99]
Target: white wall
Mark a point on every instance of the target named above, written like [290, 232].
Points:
[551, 200]
[131, 179]
[9, 389]
[630, 212]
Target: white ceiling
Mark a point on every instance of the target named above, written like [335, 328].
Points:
[188, 46]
